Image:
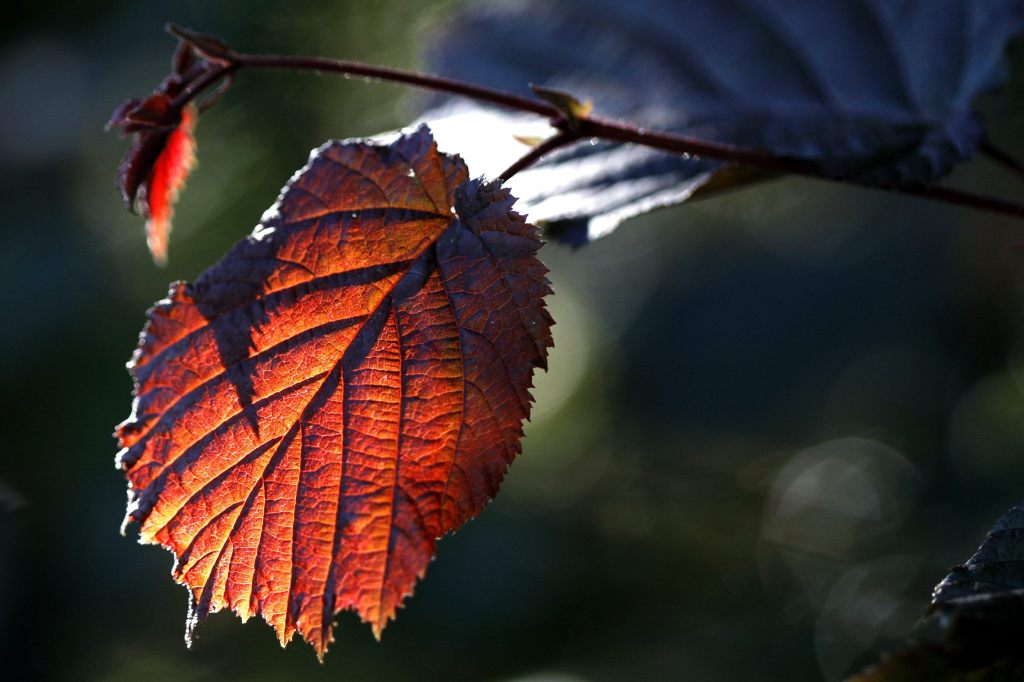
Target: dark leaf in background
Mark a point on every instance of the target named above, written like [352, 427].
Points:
[975, 626]
[879, 92]
[996, 568]
[344, 387]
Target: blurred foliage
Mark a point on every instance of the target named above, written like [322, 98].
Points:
[773, 419]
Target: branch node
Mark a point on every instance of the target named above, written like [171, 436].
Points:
[572, 109]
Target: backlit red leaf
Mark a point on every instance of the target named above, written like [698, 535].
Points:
[166, 179]
[347, 385]
[157, 163]
[162, 151]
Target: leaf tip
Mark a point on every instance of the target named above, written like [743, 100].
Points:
[126, 521]
[157, 230]
[571, 107]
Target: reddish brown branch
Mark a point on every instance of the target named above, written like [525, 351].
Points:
[961, 198]
[419, 80]
[606, 129]
[563, 138]
[229, 62]
[1001, 157]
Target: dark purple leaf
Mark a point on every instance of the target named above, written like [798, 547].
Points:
[879, 92]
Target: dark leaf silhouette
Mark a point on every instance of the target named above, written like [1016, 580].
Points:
[996, 568]
[876, 92]
[343, 388]
[975, 624]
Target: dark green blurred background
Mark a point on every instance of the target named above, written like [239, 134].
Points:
[773, 419]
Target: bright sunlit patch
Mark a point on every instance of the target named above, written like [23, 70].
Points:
[470, 132]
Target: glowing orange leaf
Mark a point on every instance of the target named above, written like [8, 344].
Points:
[346, 386]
